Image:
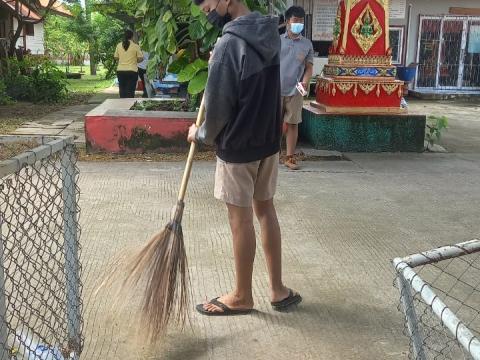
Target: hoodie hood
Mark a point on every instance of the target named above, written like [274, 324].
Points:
[257, 31]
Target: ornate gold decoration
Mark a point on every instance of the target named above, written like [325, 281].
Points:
[360, 60]
[389, 88]
[355, 90]
[344, 87]
[367, 29]
[367, 88]
[337, 28]
[334, 90]
[382, 3]
[348, 6]
[355, 2]
[378, 90]
[323, 85]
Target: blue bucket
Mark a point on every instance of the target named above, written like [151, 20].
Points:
[406, 73]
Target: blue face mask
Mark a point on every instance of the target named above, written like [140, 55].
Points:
[296, 28]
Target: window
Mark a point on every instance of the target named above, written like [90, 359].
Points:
[29, 29]
[396, 43]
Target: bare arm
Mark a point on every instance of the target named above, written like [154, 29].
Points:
[307, 75]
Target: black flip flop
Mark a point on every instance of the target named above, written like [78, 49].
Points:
[290, 300]
[226, 310]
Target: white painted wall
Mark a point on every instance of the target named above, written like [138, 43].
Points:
[34, 43]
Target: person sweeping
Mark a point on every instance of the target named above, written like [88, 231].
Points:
[243, 119]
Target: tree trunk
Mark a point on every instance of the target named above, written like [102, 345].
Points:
[15, 37]
[91, 43]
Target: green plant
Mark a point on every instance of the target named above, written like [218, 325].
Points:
[178, 30]
[435, 125]
[169, 105]
[35, 79]
[62, 38]
[109, 34]
[4, 98]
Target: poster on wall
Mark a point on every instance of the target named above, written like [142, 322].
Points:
[398, 9]
[323, 19]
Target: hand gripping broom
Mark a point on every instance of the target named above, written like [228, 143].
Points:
[162, 265]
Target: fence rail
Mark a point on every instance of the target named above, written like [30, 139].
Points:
[40, 284]
[438, 332]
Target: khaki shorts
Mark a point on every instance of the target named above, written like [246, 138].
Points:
[292, 108]
[239, 184]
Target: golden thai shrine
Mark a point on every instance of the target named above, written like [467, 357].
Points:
[359, 76]
[357, 102]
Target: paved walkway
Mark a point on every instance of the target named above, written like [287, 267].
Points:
[342, 222]
[68, 121]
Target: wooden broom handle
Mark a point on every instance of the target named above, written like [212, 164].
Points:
[191, 153]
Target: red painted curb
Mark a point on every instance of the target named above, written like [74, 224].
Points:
[122, 134]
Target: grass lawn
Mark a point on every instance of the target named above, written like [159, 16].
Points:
[88, 83]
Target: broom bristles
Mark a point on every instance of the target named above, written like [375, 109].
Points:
[160, 272]
[162, 267]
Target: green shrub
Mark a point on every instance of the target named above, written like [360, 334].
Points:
[4, 98]
[19, 87]
[435, 126]
[35, 79]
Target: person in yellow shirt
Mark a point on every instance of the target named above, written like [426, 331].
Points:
[128, 55]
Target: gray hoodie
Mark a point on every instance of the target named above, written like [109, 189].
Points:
[242, 97]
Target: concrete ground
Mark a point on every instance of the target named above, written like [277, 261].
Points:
[463, 134]
[342, 222]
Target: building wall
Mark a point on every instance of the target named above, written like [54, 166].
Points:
[33, 43]
[427, 7]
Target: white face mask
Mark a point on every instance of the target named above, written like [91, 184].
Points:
[296, 28]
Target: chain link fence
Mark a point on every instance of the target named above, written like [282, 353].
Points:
[440, 298]
[40, 284]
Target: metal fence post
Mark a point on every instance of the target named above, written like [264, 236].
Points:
[4, 351]
[408, 305]
[72, 267]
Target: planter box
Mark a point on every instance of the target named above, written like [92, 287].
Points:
[112, 127]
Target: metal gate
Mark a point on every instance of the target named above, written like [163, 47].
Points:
[448, 54]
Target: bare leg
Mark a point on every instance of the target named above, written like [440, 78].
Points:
[272, 246]
[292, 137]
[243, 232]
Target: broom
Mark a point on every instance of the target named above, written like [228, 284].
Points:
[162, 265]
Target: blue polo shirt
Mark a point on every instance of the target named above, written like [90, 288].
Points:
[295, 54]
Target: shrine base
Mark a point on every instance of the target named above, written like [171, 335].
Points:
[363, 132]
